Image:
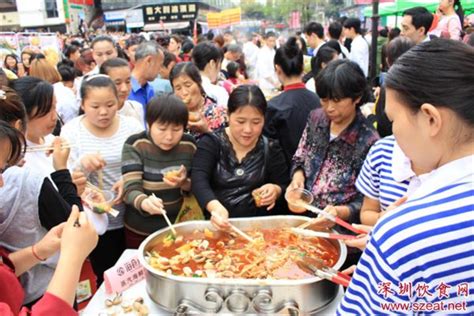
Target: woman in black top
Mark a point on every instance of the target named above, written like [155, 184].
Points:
[231, 163]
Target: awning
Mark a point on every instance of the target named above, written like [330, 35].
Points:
[165, 26]
[398, 7]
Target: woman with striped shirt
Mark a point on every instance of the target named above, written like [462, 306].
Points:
[422, 251]
[386, 177]
[99, 136]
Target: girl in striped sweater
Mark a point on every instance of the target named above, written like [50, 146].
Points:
[148, 193]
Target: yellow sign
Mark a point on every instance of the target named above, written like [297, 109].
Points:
[224, 18]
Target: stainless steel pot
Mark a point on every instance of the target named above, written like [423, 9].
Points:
[204, 295]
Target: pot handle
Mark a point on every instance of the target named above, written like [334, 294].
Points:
[212, 295]
[263, 304]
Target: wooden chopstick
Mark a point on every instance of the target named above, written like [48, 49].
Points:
[238, 231]
[100, 178]
[167, 219]
[241, 233]
[44, 148]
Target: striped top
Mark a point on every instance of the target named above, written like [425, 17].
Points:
[110, 148]
[386, 174]
[142, 164]
[426, 243]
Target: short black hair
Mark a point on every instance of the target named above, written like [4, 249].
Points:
[70, 49]
[247, 95]
[134, 40]
[420, 16]
[393, 33]
[334, 44]
[353, 23]
[316, 28]
[96, 81]
[188, 69]
[233, 69]
[112, 63]
[67, 73]
[397, 48]
[341, 79]
[204, 52]
[167, 108]
[290, 58]
[324, 55]
[36, 94]
[187, 46]
[17, 142]
[335, 30]
[439, 72]
[269, 34]
[169, 58]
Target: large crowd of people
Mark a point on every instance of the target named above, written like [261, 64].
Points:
[237, 116]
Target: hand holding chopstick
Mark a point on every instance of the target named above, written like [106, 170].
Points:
[236, 229]
[166, 218]
[330, 217]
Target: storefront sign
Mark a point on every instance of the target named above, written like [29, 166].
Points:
[170, 12]
[224, 19]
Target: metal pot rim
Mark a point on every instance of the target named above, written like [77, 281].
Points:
[234, 281]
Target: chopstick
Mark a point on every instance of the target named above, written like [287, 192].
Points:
[311, 233]
[100, 178]
[331, 217]
[91, 186]
[167, 219]
[33, 149]
[238, 231]
[241, 233]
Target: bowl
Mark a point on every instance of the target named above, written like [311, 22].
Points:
[194, 116]
[171, 173]
[257, 198]
[294, 196]
[100, 201]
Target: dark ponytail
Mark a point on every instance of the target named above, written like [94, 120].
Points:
[290, 58]
[459, 10]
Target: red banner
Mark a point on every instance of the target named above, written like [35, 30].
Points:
[83, 2]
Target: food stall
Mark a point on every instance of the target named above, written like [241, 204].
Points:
[201, 270]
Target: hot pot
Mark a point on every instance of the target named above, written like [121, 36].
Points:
[183, 295]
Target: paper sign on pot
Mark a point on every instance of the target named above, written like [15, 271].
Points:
[123, 275]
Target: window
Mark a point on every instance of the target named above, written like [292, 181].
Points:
[51, 8]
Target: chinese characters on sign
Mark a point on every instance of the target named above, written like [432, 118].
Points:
[435, 299]
[421, 290]
[170, 12]
[123, 275]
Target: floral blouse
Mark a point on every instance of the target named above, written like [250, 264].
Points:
[330, 166]
[215, 116]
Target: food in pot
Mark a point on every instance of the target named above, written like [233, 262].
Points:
[216, 254]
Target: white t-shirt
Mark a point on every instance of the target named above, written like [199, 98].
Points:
[218, 93]
[251, 51]
[265, 68]
[133, 109]
[110, 148]
[38, 160]
[360, 53]
[66, 103]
